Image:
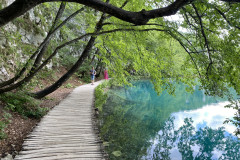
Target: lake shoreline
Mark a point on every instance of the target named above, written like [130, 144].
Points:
[136, 120]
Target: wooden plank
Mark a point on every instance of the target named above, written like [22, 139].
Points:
[66, 132]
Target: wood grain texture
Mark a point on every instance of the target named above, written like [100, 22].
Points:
[67, 131]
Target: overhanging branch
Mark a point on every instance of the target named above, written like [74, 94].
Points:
[19, 7]
[205, 39]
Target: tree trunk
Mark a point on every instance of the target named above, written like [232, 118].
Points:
[16, 9]
[99, 67]
[50, 33]
[42, 48]
[74, 68]
[35, 70]
[100, 71]
[91, 63]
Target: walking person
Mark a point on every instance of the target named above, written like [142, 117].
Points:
[92, 73]
[105, 74]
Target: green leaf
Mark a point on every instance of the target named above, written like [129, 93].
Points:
[117, 153]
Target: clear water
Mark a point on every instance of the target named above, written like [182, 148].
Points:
[138, 124]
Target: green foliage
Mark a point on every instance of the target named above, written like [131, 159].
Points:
[132, 127]
[117, 153]
[68, 61]
[68, 85]
[86, 79]
[46, 12]
[204, 47]
[46, 75]
[11, 56]
[149, 54]
[84, 69]
[235, 104]
[2, 127]
[133, 115]
[23, 104]
[3, 124]
[184, 50]
[101, 95]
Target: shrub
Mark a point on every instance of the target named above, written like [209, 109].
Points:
[69, 85]
[2, 127]
[3, 124]
[23, 104]
[86, 79]
[100, 95]
[68, 61]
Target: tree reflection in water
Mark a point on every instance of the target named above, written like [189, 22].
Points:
[135, 124]
[187, 143]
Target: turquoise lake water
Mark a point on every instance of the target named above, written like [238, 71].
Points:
[136, 123]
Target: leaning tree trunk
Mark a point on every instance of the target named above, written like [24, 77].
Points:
[74, 68]
[53, 30]
[35, 70]
[94, 55]
[99, 67]
[100, 71]
[40, 50]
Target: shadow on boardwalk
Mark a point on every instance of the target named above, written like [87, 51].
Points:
[67, 131]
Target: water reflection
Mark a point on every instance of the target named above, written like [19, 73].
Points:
[210, 115]
[188, 143]
[136, 124]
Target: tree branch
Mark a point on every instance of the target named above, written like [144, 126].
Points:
[189, 53]
[66, 76]
[19, 7]
[28, 77]
[49, 35]
[233, 1]
[205, 39]
[40, 51]
[59, 15]
[223, 15]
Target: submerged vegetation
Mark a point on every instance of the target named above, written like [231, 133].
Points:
[136, 123]
[101, 95]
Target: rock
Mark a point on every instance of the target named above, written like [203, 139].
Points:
[23, 58]
[37, 39]
[49, 65]
[3, 74]
[31, 14]
[3, 42]
[30, 38]
[10, 27]
[37, 20]
[8, 157]
[11, 63]
[13, 146]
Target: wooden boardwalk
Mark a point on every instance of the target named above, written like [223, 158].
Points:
[67, 131]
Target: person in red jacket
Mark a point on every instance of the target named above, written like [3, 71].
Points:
[105, 74]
